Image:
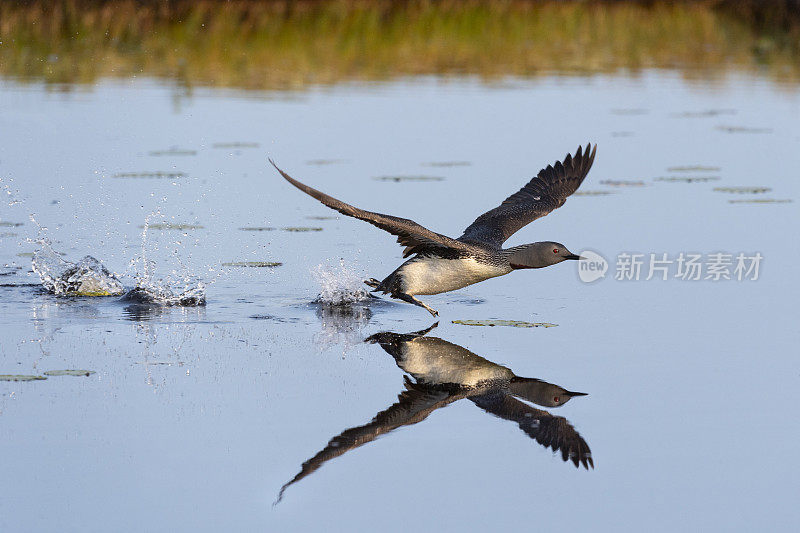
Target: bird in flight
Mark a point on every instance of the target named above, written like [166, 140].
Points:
[440, 264]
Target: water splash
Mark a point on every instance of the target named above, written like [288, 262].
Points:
[180, 288]
[159, 293]
[340, 287]
[87, 277]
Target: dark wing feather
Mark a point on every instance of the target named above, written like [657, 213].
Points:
[413, 236]
[413, 405]
[550, 431]
[544, 193]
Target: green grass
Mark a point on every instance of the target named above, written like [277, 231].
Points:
[293, 45]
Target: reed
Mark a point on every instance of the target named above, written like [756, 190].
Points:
[278, 45]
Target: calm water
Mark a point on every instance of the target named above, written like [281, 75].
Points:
[195, 417]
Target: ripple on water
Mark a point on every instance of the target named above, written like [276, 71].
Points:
[511, 323]
[68, 373]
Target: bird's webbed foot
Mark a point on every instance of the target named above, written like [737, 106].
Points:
[410, 299]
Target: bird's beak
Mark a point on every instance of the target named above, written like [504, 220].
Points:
[572, 394]
[573, 256]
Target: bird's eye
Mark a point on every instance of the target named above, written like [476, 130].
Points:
[555, 250]
[555, 399]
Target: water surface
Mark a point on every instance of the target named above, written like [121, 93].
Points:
[195, 417]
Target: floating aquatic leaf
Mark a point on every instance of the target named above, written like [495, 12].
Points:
[299, 229]
[445, 164]
[623, 183]
[236, 145]
[172, 151]
[743, 129]
[325, 161]
[743, 190]
[636, 111]
[171, 226]
[20, 377]
[592, 193]
[68, 372]
[25, 254]
[257, 228]
[761, 201]
[274, 318]
[693, 168]
[408, 178]
[512, 323]
[6, 224]
[252, 264]
[687, 179]
[705, 113]
[150, 175]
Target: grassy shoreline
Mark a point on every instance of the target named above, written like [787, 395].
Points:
[279, 45]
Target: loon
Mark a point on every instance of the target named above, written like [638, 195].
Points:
[444, 373]
[442, 264]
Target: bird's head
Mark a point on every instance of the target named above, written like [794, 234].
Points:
[539, 254]
[541, 392]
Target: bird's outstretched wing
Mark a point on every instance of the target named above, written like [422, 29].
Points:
[413, 236]
[550, 431]
[413, 405]
[547, 191]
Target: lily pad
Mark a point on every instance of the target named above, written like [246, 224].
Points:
[300, 229]
[761, 201]
[6, 224]
[69, 373]
[252, 264]
[325, 161]
[592, 193]
[445, 164]
[150, 175]
[25, 254]
[257, 228]
[20, 377]
[705, 113]
[743, 190]
[235, 145]
[743, 129]
[693, 168]
[172, 151]
[170, 225]
[397, 179]
[635, 111]
[512, 323]
[687, 179]
[623, 183]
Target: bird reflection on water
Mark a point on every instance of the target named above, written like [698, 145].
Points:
[444, 373]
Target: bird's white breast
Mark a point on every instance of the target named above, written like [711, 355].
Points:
[432, 275]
